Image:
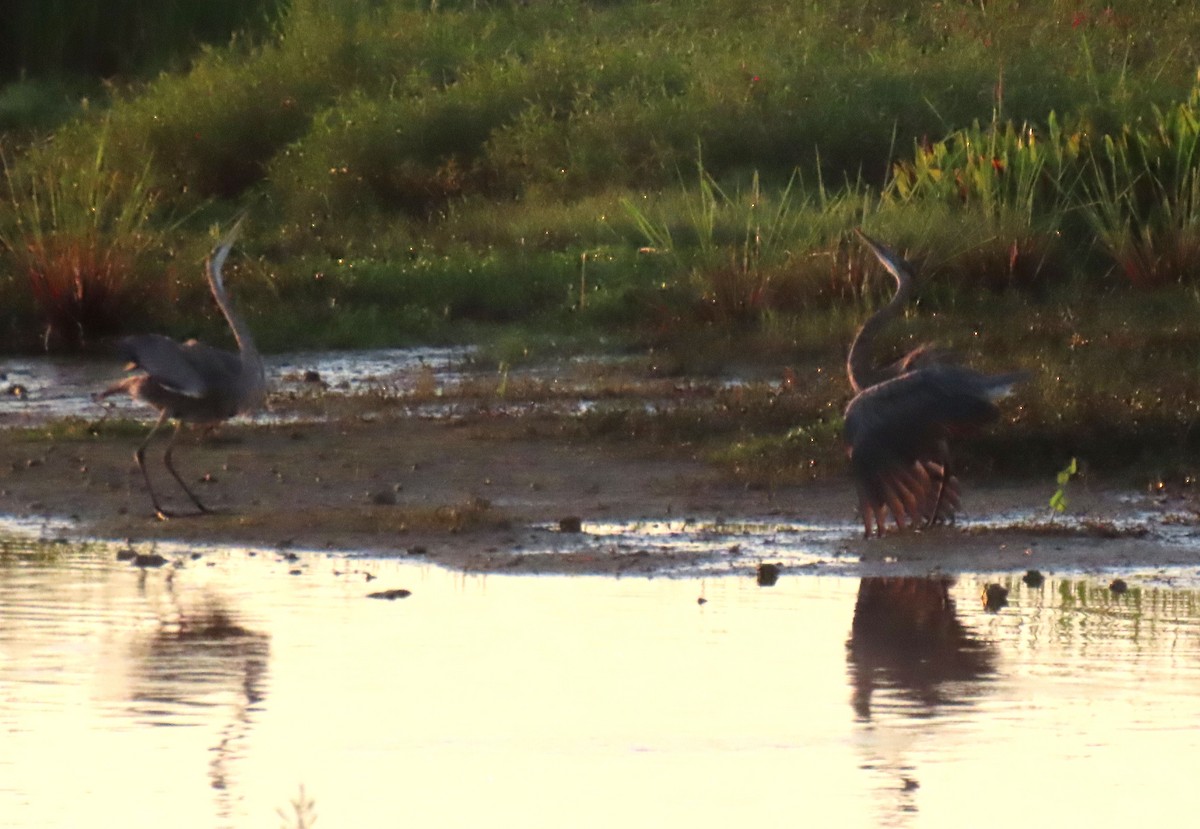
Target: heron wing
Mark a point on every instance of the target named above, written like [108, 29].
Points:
[218, 367]
[918, 406]
[191, 369]
[166, 361]
[897, 434]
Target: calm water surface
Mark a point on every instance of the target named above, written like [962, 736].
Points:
[206, 695]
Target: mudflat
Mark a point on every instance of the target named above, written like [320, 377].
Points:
[512, 492]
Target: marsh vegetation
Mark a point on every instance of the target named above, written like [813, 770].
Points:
[673, 179]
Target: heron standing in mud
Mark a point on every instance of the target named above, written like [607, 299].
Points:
[901, 419]
[192, 382]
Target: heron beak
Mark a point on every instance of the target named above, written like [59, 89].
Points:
[893, 262]
[231, 236]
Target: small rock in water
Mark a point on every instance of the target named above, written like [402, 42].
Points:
[570, 524]
[148, 560]
[1118, 586]
[1033, 578]
[390, 595]
[767, 574]
[994, 597]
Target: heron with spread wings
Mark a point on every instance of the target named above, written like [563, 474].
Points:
[192, 382]
[900, 422]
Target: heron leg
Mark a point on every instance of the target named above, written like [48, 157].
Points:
[100, 398]
[867, 510]
[139, 455]
[171, 468]
[941, 494]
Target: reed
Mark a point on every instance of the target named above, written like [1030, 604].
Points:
[1145, 196]
[77, 233]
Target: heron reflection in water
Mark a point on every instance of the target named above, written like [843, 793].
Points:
[200, 660]
[906, 639]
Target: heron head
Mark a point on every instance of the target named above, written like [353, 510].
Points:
[895, 264]
[216, 261]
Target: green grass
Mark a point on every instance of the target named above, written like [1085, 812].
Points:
[78, 429]
[672, 177]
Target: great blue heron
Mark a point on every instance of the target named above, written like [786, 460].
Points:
[192, 382]
[901, 419]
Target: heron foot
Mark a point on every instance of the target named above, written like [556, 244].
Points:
[166, 515]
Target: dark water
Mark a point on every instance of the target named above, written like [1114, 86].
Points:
[206, 694]
[34, 390]
[428, 382]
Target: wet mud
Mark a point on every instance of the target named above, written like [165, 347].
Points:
[518, 494]
[413, 464]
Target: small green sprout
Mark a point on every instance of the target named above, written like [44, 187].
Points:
[1058, 501]
[502, 388]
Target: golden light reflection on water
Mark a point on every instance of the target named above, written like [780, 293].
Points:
[208, 697]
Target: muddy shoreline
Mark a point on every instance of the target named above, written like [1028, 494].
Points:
[501, 494]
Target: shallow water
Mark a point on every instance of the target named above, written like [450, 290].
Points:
[423, 382]
[207, 692]
[36, 389]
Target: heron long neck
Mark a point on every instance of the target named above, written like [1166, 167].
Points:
[858, 361]
[252, 384]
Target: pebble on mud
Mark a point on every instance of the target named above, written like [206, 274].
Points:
[994, 597]
[1033, 578]
[570, 524]
[383, 498]
[1118, 586]
[390, 595]
[767, 574]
